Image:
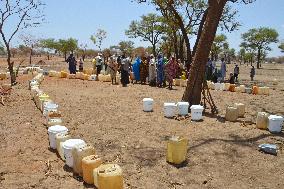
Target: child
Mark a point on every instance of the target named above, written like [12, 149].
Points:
[232, 78]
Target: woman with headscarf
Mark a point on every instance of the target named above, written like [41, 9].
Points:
[125, 68]
[144, 69]
[160, 71]
[72, 64]
[136, 69]
[112, 69]
[171, 70]
[152, 71]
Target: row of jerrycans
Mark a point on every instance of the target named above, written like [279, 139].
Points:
[90, 166]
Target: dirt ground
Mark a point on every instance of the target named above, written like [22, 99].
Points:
[221, 154]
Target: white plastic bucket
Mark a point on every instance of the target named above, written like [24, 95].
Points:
[148, 104]
[67, 146]
[275, 123]
[217, 86]
[170, 109]
[196, 112]
[182, 108]
[49, 107]
[52, 131]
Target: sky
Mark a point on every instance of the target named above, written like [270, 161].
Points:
[81, 19]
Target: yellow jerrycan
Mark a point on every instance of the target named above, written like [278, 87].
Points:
[177, 150]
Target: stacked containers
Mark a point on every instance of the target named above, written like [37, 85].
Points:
[89, 163]
[68, 146]
[52, 131]
[78, 153]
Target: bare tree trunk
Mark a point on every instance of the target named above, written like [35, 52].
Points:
[258, 58]
[193, 90]
[11, 68]
[181, 42]
[31, 54]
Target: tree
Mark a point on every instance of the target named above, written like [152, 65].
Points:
[281, 46]
[241, 54]
[219, 44]
[259, 39]
[98, 38]
[18, 15]
[31, 42]
[148, 29]
[2, 50]
[69, 45]
[126, 47]
[50, 45]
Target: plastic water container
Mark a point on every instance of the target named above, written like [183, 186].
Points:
[176, 150]
[52, 131]
[196, 112]
[3, 76]
[93, 78]
[237, 89]
[275, 123]
[217, 86]
[183, 108]
[242, 88]
[78, 153]
[63, 74]
[262, 120]
[212, 86]
[177, 82]
[255, 90]
[60, 138]
[261, 90]
[148, 104]
[108, 176]
[68, 146]
[266, 91]
[232, 114]
[232, 87]
[227, 86]
[49, 107]
[78, 75]
[54, 121]
[170, 110]
[241, 109]
[248, 90]
[71, 76]
[89, 163]
[222, 86]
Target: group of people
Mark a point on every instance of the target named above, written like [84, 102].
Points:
[143, 69]
[215, 75]
[147, 69]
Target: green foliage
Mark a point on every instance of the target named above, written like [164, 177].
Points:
[50, 44]
[259, 38]
[126, 47]
[68, 45]
[149, 28]
[98, 38]
[220, 44]
[281, 46]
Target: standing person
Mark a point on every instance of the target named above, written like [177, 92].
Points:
[99, 61]
[223, 69]
[171, 69]
[236, 73]
[252, 73]
[112, 69]
[152, 71]
[144, 69]
[136, 69]
[209, 69]
[160, 71]
[94, 65]
[72, 64]
[125, 68]
[81, 65]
